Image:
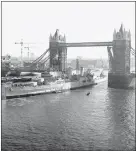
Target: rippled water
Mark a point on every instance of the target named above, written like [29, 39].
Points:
[71, 120]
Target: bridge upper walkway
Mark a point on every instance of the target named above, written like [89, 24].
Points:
[85, 44]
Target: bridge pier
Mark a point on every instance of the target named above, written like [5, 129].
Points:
[119, 60]
[120, 81]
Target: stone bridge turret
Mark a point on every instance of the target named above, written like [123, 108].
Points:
[119, 58]
[58, 55]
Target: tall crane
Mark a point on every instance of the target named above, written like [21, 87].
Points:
[28, 47]
[22, 44]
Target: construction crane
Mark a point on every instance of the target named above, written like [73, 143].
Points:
[22, 44]
[28, 48]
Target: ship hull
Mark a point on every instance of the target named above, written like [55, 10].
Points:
[121, 81]
[82, 86]
[46, 89]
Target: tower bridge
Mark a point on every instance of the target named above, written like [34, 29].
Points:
[119, 50]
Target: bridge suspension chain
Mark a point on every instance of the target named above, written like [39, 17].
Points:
[39, 58]
[45, 60]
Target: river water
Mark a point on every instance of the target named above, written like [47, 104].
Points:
[71, 120]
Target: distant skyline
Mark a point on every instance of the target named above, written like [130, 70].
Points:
[79, 21]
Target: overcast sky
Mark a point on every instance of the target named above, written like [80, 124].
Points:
[80, 22]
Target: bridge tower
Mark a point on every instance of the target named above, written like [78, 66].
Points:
[58, 55]
[119, 59]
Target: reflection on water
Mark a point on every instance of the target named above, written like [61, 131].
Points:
[71, 120]
[122, 113]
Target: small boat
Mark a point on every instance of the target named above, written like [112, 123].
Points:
[88, 93]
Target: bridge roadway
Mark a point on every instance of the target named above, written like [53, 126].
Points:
[84, 44]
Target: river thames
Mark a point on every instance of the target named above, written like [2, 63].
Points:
[104, 120]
